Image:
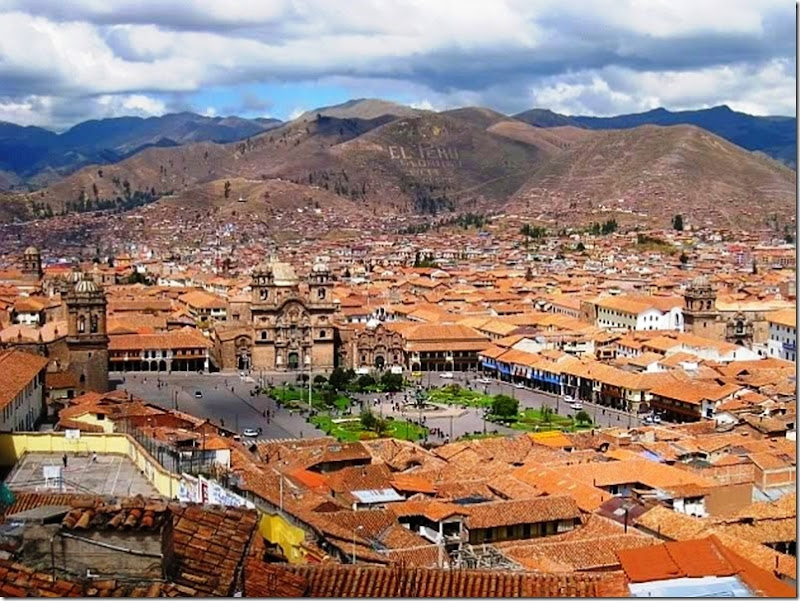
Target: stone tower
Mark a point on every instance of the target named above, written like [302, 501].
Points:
[700, 314]
[87, 338]
[320, 284]
[32, 264]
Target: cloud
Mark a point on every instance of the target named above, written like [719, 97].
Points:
[588, 56]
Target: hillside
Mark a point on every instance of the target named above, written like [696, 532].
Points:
[650, 173]
[774, 136]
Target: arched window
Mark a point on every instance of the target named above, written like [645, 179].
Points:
[263, 335]
[264, 292]
[322, 333]
[321, 293]
[81, 324]
[93, 324]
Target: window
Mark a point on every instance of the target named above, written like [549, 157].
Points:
[81, 324]
[321, 293]
[322, 333]
[263, 335]
[264, 293]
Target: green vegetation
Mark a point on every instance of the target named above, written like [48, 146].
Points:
[608, 227]
[424, 260]
[677, 223]
[453, 394]
[322, 398]
[649, 243]
[503, 406]
[544, 420]
[352, 430]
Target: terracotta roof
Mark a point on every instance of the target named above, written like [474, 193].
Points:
[176, 339]
[371, 581]
[522, 511]
[18, 369]
[696, 559]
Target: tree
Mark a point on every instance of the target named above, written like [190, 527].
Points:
[684, 258]
[580, 248]
[392, 382]
[329, 396]
[789, 238]
[320, 379]
[677, 223]
[755, 268]
[302, 377]
[504, 406]
[227, 190]
[365, 381]
[609, 226]
[547, 414]
[582, 417]
[339, 379]
[368, 420]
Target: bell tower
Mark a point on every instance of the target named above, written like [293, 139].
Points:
[262, 285]
[32, 264]
[87, 338]
[320, 284]
[700, 314]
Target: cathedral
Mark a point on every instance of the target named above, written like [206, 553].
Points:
[285, 324]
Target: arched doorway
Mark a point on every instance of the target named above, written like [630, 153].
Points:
[294, 360]
[380, 362]
[162, 365]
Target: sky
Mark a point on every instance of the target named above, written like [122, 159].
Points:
[65, 62]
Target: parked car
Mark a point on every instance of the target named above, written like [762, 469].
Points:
[577, 406]
[198, 394]
[648, 419]
[567, 398]
[519, 385]
[448, 375]
[657, 418]
[484, 381]
[251, 432]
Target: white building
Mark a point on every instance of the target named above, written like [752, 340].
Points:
[782, 334]
[640, 313]
[21, 390]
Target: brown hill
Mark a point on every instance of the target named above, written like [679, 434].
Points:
[477, 115]
[361, 108]
[651, 173]
[553, 140]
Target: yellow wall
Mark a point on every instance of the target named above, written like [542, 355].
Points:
[91, 418]
[278, 531]
[14, 445]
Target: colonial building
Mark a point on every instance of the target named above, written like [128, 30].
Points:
[291, 323]
[372, 346]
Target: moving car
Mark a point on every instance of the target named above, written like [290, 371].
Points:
[251, 432]
[448, 375]
[657, 418]
[519, 385]
[567, 398]
[484, 381]
[577, 406]
[198, 394]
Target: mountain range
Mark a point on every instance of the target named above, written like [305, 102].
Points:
[372, 157]
[37, 156]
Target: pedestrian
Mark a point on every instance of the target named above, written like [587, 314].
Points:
[64, 459]
[94, 457]
[222, 422]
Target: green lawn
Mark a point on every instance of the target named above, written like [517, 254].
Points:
[460, 396]
[298, 398]
[352, 431]
[532, 420]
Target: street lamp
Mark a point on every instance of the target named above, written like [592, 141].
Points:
[354, 542]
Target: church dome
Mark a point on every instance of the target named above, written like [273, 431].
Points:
[320, 267]
[373, 324]
[701, 281]
[31, 250]
[86, 286]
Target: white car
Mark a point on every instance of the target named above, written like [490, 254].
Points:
[568, 399]
[519, 385]
[656, 418]
[577, 406]
[251, 432]
[648, 419]
[485, 381]
[448, 375]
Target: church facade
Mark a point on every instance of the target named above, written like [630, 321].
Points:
[291, 323]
